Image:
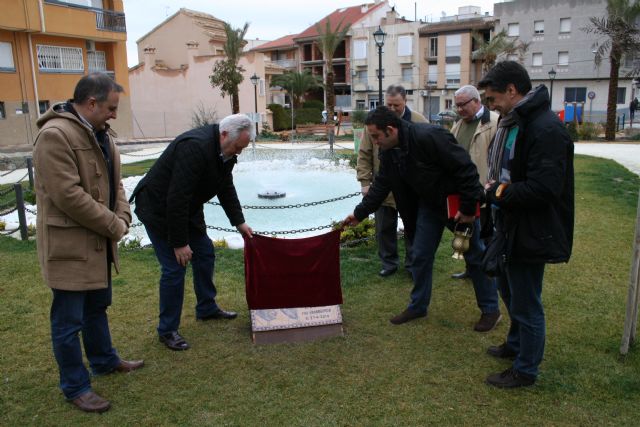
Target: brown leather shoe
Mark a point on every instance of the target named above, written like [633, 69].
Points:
[487, 322]
[91, 402]
[406, 316]
[129, 365]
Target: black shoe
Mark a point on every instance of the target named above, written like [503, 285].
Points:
[174, 341]
[406, 316]
[487, 322]
[220, 314]
[501, 352]
[510, 379]
[460, 276]
[385, 272]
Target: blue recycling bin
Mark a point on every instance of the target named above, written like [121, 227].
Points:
[572, 109]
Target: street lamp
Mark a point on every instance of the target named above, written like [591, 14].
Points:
[379, 36]
[254, 81]
[552, 77]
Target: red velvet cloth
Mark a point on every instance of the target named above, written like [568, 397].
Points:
[289, 273]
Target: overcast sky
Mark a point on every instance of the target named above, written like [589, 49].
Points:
[271, 19]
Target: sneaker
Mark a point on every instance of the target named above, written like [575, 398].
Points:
[406, 316]
[501, 352]
[487, 322]
[510, 379]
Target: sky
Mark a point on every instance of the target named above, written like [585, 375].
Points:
[272, 19]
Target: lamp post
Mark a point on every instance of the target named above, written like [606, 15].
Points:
[254, 81]
[552, 77]
[379, 36]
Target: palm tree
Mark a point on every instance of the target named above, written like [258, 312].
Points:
[227, 75]
[328, 42]
[296, 84]
[500, 45]
[621, 37]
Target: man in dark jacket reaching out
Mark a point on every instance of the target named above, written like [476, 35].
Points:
[194, 168]
[530, 186]
[422, 164]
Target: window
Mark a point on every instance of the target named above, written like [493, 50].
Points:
[407, 74]
[452, 72]
[575, 94]
[448, 104]
[6, 57]
[405, 45]
[565, 25]
[538, 27]
[43, 106]
[513, 30]
[361, 76]
[536, 59]
[563, 59]
[433, 46]
[432, 79]
[360, 104]
[3, 114]
[88, 3]
[61, 59]
[622, 92]
[360, 49]
[453, 45]
[96, 61]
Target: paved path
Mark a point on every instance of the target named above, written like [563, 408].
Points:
[628, 155]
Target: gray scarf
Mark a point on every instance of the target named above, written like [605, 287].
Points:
[497, 146]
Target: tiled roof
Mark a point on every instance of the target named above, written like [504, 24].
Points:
[346, 15]
[282, 42]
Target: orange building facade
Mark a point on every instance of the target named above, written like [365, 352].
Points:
[46, 46]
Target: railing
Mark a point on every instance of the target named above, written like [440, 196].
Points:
[110, 21]
[286, 63]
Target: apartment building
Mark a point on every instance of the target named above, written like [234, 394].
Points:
[400, 61]
[555, 30]
[280, 55]
[446, 48]
[46, 46]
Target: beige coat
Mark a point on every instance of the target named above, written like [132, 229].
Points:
[368, 162]
[74, 222]
[480, 141]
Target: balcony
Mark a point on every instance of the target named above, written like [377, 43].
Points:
[286, 63]
[107, 20]
[87, 20]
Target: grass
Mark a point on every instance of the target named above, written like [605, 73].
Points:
[427, 372]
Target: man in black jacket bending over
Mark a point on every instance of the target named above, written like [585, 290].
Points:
[530, 187]
[194, 168]
[421, 164]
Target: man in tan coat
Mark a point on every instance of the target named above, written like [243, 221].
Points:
[82, 214]
[474, 131]
[367, 166]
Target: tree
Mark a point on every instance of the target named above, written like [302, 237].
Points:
[500, 45]
[328, 42]
[226, 73]
[621, 37]
[296, 84]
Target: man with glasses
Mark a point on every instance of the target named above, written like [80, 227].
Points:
[474, 131]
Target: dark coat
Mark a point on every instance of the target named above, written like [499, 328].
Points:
[427, 164]
[538, 205]
[170, 198]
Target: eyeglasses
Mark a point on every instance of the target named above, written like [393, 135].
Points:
[459, 106]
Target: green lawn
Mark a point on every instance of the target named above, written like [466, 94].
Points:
[427, 372]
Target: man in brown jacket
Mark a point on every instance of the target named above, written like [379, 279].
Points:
[367, 166]
[82, 213]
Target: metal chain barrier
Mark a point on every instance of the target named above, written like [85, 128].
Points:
[299, 205]
[271, 233]
[7, 191]
[30, 211]
[8, 232]
[7, 173]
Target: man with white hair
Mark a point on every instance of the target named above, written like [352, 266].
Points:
[474, 131]
[193, 169]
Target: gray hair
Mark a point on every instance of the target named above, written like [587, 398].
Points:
[394, 90]
[468, 90]
[235, 124]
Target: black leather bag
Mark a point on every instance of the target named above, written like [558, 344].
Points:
[494, 260]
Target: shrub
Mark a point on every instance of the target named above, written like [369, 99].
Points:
[281, 120]
[220, 244]
[573, 131]
[358, 117]
[3, 225]
[202, 116]
[130, 244]
[313, 103]
[362, 233]
[589, 131]
[308, 115]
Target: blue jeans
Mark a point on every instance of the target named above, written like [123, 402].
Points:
[521, 291]
[485, 287]
[172, 279]
[86, 312]
[429, 228]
